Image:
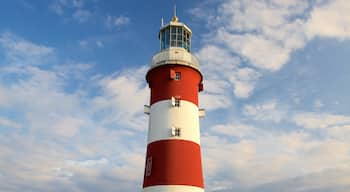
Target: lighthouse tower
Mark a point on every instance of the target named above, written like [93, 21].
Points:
[173, 159]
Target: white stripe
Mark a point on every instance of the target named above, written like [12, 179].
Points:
[173, 188]
[164, 117]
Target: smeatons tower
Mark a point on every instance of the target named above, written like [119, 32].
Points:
[173, 159]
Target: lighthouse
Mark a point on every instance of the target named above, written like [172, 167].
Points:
[173, 159]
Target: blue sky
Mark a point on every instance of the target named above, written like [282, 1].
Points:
[72, 91]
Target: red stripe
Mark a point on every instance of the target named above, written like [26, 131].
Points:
[163, 87]
[173, 162]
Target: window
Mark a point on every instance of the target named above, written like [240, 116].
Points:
[176, 132]
[179, 43]
[179, 37]
[165, 38]
[177, 75]
[174, 36]
[179, 30]
[177, 102]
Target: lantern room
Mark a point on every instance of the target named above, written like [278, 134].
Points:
[175, 34]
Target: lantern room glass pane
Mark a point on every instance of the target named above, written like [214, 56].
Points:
[179, 43]
[162, 36]
[179, 37]
[175, 36]
[167, 39]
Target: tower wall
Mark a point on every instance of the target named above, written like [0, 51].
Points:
[173, 160]
[164, 117]
[163, 87]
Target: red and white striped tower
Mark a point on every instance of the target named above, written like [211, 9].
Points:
[173, 160]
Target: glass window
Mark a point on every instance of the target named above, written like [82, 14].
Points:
[175, 132]
[177, 77]
[174, 36]
[167, 40]
[178, 132]
[179, 43]
[162, 36]
[179, 37]
[177, 102]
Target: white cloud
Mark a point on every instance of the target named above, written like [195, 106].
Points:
[214, 95]
[341, 132]
[259, 157]
[215, 59]
[116, 21]
[124, 95]
[312, 120]
[267, 32]
[82, 15]
[254, 15]
[72, 70]
[21, 52]
[260, 51]
[262, 31]
[71, 9]
[224, 76]
[68, 126]
[236, 130]
[61, 124]
[9, 123]
[268, 111]
[247, 156]
[243, 80]
[214, 101]
[39, 93]
[87, 163]
[318, 103]
[256, 31]
[134, 167]
[331, 19]
[335, 180]
[90, 43]
[64, 4]
[57, 8]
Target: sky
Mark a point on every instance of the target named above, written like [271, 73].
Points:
[276, 80]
